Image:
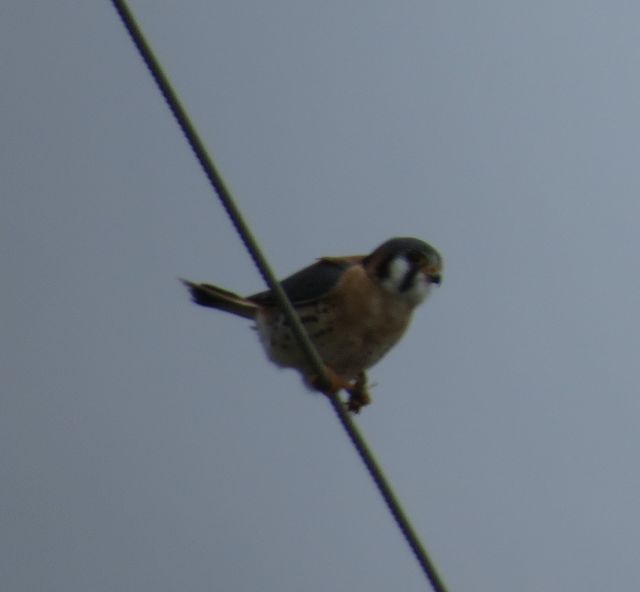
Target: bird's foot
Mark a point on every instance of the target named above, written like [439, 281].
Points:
[358, 390]
[330, 384]
[358, 394]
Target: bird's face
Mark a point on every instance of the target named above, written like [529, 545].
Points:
[405, 267]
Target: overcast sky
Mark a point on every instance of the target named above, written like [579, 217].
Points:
[147, 444]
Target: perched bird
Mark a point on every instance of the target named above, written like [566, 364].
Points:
[354, 308]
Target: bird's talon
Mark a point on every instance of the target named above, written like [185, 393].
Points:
[358, 394]
[330, 384]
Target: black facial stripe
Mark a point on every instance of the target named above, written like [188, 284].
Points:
[409, 279]
[382, 270]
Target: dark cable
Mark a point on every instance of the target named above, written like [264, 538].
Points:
[299, 331]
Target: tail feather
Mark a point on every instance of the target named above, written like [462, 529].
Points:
[214, 297]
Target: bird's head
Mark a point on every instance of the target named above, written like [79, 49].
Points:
[406, 267]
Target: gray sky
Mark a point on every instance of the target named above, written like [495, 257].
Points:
[148, 445]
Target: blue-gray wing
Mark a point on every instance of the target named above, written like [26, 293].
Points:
[309, 283]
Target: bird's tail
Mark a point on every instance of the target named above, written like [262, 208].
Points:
[214, 297]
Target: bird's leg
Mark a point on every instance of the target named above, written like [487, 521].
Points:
[358, 394]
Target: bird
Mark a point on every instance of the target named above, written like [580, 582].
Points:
[354, 308]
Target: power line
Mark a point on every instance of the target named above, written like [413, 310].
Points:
[261, 263]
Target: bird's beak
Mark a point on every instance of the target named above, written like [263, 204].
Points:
[433, 274]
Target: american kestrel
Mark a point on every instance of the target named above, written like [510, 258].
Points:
[354, 308]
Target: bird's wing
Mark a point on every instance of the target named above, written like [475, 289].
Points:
[310, 283]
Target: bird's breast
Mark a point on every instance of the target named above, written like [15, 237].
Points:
[353, 327]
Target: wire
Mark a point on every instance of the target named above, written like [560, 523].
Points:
[261, 263]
